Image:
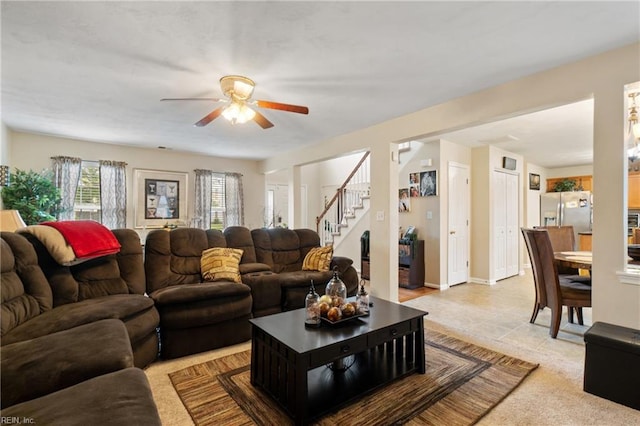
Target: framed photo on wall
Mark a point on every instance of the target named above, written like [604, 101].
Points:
[429, 183]
[160, 197]
[534, 181]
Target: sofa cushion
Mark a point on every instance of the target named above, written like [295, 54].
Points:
[185, 293]
[250, 268]
[240, 237]
[122, 397]
[221, 264]
[318, 259]
[24, 290]
[210, 303]
[119, 306]
[173, 257]
[40, 366]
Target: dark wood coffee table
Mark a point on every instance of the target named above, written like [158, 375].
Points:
[292, 363]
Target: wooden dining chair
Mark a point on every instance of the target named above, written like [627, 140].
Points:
[552, 292]
[563, 239]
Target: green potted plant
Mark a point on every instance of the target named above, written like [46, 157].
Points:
[33, 194]
[565, 185]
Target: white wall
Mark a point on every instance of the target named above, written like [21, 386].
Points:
[532, 196]
[601, 77]
[30, 151]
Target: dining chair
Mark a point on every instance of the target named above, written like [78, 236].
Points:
[551, 291]
[563, 239]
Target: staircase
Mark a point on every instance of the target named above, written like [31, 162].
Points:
[348, 204]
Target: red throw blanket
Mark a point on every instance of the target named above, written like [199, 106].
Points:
[87, 238]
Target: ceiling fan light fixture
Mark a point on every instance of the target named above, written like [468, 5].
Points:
[237, 87]
[238, 113]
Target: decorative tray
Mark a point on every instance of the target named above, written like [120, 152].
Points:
[343, 320]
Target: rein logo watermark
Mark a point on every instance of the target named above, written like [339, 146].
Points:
[5, 420]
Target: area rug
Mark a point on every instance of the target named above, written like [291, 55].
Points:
[463, 382]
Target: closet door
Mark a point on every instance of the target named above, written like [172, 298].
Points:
[511, 207]
[505, 225]
[499, 225]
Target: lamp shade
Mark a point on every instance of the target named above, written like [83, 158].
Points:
[10, 220]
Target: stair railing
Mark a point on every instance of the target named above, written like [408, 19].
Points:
[342, 205]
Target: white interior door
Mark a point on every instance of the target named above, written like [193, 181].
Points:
[512, 250]
[498, 191]
[458, 219]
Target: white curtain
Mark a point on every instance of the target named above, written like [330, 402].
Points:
[66, 174]
[202, 213]
[234, 199]
[113, 194]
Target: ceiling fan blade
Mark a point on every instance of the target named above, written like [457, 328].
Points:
[210, 117]
[262, 121]
[283, 107]
[193, 99]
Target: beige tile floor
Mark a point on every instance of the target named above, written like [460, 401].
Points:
[500, 313]
[497, 317]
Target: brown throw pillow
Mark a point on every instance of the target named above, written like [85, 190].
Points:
[221, 264]
[318, 259]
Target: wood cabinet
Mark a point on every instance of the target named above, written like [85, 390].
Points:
[586, 181]
[634, 190]
[584, 243]
[410, 265]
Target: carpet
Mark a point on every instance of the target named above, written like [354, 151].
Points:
[463, 382]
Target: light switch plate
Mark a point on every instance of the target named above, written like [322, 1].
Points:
[380, 216]
[429, 214]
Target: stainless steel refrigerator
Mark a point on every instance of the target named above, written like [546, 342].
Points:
[567, 208]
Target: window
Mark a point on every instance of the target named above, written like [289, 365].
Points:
[87, 201]
[218, 205]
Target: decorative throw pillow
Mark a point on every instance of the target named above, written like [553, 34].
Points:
[318, 259]
[221, 264]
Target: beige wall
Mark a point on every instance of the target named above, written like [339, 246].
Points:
[30, 151]
[601, 77]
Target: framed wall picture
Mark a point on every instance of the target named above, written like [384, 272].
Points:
[429, 183]
[534, 181]
[160, 197]
[404, 202]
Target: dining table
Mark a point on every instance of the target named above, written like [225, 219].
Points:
[584, 259]
[574, 259]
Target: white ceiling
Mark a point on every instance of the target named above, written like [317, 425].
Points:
[97, 70]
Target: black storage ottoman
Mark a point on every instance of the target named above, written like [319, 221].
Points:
[612, 363]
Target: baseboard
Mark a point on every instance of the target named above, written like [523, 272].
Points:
[481, 281]
[437, 286]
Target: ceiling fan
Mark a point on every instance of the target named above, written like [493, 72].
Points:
[238, 90]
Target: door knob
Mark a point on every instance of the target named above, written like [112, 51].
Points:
[452, 232]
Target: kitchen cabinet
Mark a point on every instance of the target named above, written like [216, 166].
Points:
[586, 181]
[584, 243]
[634, 190]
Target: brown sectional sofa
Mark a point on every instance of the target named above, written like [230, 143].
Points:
[196, 316]
[55, 297]
[73, 338]
[70, 363]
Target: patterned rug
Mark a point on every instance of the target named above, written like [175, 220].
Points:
[463, 382]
